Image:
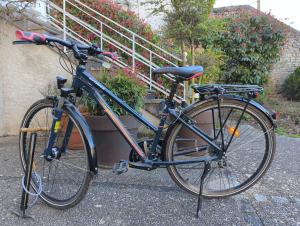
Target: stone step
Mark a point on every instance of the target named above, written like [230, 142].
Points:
[154, 106]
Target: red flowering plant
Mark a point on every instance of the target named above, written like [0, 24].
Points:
[122, 82]
[127, 19]
[115, 12]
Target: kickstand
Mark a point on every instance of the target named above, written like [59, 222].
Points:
[204, 174]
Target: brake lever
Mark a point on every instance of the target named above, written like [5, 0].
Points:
[77, 54]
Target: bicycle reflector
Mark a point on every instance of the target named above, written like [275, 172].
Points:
[232, 131]
[276, 115]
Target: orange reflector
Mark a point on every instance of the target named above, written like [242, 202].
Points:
[231, 131]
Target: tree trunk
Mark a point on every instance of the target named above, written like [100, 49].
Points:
[183, 53]
[193, 63]
[193, 52]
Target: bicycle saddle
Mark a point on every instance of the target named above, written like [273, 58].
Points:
[182, 73]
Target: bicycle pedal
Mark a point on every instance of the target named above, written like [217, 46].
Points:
[120, 167]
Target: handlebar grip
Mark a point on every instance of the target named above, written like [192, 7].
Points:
[31, 36]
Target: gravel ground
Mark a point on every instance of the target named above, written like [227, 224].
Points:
[151, 198]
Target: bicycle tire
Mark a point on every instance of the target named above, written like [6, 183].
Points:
[270, 146]
[51, 198]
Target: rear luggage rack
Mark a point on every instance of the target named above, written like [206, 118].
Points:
[251, 90]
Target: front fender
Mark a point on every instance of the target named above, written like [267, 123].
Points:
[88, 137]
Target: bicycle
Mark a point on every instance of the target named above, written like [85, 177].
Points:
[226, 159]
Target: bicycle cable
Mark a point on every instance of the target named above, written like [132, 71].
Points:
[65, 64]
[39, 190]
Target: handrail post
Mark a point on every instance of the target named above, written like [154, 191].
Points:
[101, 37]
[133, 52]
[150, 68]
[64, 23]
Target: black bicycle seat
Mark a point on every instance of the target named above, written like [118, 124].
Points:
[183, 73]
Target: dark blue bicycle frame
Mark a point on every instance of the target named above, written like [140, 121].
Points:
[85, 80]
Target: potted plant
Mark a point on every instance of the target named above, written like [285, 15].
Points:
[110, 144]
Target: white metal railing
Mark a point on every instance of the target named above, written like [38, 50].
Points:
[115, 29]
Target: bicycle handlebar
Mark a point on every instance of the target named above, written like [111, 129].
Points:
[26, 37]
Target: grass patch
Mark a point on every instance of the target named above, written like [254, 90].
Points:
[289, 119]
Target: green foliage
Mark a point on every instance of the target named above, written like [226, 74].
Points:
[122, 82]
[252, 43]
[291, 86]
[184, 19]
[215, 27]
[211, 60]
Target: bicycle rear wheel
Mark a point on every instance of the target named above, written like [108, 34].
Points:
[65, 180]
[248, 157]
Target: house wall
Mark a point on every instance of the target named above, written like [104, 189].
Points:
[142, 10]
[289, 60]
[24, 70]
[2, 124]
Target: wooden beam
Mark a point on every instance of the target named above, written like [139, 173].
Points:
[33, 130]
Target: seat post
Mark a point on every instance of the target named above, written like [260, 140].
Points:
[173, 91]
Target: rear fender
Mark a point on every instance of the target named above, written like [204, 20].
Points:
[252, 103]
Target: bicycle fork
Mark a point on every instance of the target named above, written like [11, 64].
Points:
[52, 152]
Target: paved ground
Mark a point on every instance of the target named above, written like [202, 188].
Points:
[141, 198]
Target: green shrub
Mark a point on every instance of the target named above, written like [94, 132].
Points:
[291, 86]
[123, 83]
[211, 60]
[251, 44]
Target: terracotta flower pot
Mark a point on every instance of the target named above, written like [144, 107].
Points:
[110, 144]
[75, 141]
[202, 121]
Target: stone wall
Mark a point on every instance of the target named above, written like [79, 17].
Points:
[24, 70]
[2, 123]
[289, 59]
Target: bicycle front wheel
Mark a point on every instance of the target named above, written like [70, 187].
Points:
[65, 180]
[249, 154]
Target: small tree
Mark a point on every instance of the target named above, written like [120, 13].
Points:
[185, 20]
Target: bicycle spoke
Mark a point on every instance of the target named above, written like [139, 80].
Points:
[63, 178]
[54, 176]
[246, 139]
[253, 139]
